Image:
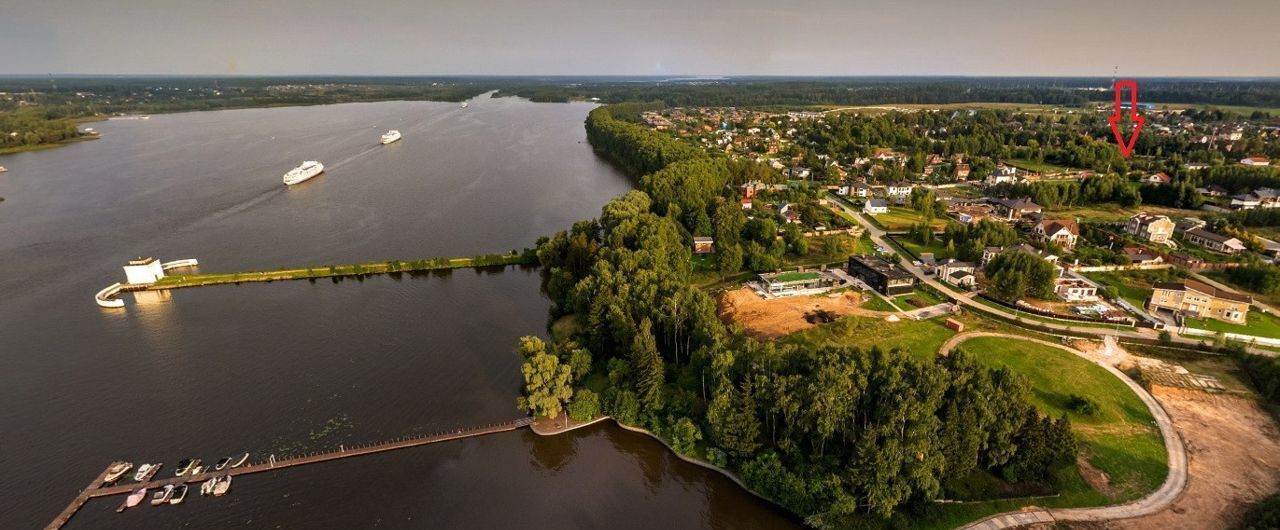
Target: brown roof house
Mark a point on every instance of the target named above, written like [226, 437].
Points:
[1061, 232]
[1200, 300]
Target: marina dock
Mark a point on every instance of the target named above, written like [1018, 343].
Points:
[96, 489]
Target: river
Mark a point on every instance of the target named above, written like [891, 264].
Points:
[288, 367]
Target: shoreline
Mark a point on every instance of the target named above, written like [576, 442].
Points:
[179, 281]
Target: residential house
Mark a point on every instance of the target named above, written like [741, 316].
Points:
[1158, 179]
[750, 189]
[962, 171]
[1212, 190]
[1061, 232]
[1002, 175]
[747, 204]
[1075, 290]
[797, 282]
[703, 245]
[1258, 198]
[1015, 209]
[1142, 256]
[884, 276]
[1153, 228]
[1256, 161]
[899, 191]
[958, 273]
[1200, 300]
[1214, 242]
[876, 206]
[854, 189]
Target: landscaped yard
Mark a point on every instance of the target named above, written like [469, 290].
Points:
[938, 248]
[1260, 325]
[1135, 286]
[899, 219]
[917, 299]
[921, 338]
[875, 303]
[1039, 167]
[1120, 439]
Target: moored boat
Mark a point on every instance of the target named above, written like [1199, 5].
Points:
[2, 169]
[206, 488]
[222, 463]
[184, 466]
[390, 136]
[308, 169]
[145, 471]
[464, 104]
[240, 461]
[179, 494]
[116, 471]
[222, 486]
[162, 496]
[133, 499]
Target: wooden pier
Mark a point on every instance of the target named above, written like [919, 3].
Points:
[97, 489]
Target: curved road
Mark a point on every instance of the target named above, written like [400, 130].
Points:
[1158, 500]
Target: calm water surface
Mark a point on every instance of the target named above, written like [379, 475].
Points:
[296, 366]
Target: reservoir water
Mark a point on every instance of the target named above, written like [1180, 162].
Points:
[292, 367]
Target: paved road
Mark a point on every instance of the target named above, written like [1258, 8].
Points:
[878, 237]
[1158, 500]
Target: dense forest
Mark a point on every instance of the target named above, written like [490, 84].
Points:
[828, 432]
[34, 126]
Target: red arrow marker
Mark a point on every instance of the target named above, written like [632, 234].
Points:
[1126, 148]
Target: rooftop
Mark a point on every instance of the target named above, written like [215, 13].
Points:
[1204, 288]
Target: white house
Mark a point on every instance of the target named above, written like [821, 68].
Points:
[143, 271]
[1003, 175]
[1256, 161]
[876, 206]
[1073, 290]
[899, 191]
[1158, 179]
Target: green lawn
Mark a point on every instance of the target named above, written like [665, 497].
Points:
[1121, 439]
[938, 248]
[900, 218]
[1260, 325]
[921, 338]
[796, 276]
[921, 297]
[1039, 167]
[875, 303]
[1135, 286]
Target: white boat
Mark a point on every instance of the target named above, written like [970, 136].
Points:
[301, 173]
[207, 487]
[145, 471]
[240, 461]
[133, 499]
[390, 136]
[222, 486]
[179, 494]
[464, 104]
[117, 471]
[162, 496]
[2, 169]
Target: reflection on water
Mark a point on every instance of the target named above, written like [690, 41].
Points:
[300, 366]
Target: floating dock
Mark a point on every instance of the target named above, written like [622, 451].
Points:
[96, 488]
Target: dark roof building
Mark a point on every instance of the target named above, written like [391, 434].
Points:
[882, 275]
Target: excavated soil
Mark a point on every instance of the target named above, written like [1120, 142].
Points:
[768, 319]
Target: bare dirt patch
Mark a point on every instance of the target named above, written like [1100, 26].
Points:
[767, 319]
[1234, 449]
[1095, 477]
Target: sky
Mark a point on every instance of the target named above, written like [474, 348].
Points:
[642, 37]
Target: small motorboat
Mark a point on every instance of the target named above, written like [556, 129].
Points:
[145, 471]
[179, 494]
[162, 496]
[196, 470]
[207, 487]
[116, 471]
[222, 487]
[2, 169]
[133, 499]
[184, 465]
[240, 461]
[222, 463]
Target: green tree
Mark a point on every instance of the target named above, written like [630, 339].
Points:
[547, 382]
[580, 363]
[585, 405]
[730, 259]
[731, 416]
[685, 436]
[647, 366]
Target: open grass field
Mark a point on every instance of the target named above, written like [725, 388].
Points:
[1038, 167]
[1260, 324]
[921, 338]
[938, 249]
[900, 218]
[1114, 213]
[1135, 286]
[875, 303]
[1120, 439]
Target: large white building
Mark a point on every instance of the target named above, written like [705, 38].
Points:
[143, 271]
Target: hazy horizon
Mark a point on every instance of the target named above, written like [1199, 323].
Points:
[815, 38]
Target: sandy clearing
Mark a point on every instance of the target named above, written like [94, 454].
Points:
[1234, 449]
[767, 319]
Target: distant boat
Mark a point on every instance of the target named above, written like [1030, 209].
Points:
[184, 465]
[222, 463]
[240, 461]
[464, 104]
[2, 169]
[308, 169]
[115, 472]
[179, 494]
[390, 136]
